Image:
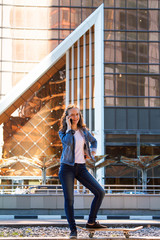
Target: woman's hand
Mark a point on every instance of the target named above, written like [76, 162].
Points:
[68, 121]
[93, 153]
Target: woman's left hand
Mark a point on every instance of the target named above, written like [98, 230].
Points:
[93, 153]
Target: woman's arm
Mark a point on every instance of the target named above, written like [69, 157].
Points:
[93, 142]
[67, 137]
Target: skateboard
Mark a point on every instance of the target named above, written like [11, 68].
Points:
[124, 230]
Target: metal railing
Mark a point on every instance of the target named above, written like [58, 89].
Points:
[78, 189]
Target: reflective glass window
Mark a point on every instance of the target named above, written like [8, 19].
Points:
[131, 35]
[109, 35]
[86, 3]
[121, 101]
[85, 13]
[108, 19]
[132, 68]
[76, 3]
[64, 2]
[120, 85]
[153, 3]
[131, 51]
[142, 19]
[154, 102]
[65, 17]
[109, 52]
[143, 36]
[54, 17]
[120, 51]
[131, 16]
[97, 3]
[153, 20]
[132, 88]
[119, 3]
[154, 69]
[109, 84]
[154, 52]
[132, 102]
[142, 3]
[142, 85]
[75, 17]
[109, 101]
[154, 86]
[143, 102]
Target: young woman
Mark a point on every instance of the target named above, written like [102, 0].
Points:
[77, 141]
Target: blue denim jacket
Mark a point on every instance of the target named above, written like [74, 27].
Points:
[68, 143]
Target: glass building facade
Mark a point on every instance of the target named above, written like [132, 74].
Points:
[30, 30]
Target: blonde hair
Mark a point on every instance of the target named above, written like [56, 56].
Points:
[63, 124]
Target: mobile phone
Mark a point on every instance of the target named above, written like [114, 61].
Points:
[71, 121]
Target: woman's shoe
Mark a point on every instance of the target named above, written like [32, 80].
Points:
[95, 225]
[73, 234]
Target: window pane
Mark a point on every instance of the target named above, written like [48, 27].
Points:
[120, 35]
[154, 69]
[142, 68]
[127, 138]
[120, 85]
[131, 19]
[142, 20]
[121, 102]
[153, 3]
[131, 35]
[153, 52]
[120, 48]
[97, 3]
[119, 68]
[110, 3]
[65, 18]
[143, 52]
[131, 51]
[64, 2]
[142, 3]
[109, 52]
[109, 68]
[109, 84]
[132, 102]
[153, 20]
[132, 85]
[143, 102]
[109, 19]
[53, 17]
[131, 68]
[142, 85]
[131, 4]
[76, 3]
[109, 101]
[143, 36]
[85, 13]
[154, 102]
[154, 86]
[108, 35]
[75, 17]
[119, 3]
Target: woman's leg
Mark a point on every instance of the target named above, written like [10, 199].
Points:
[66, 176]
[91, 183]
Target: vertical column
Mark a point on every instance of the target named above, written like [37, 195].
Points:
[72, 79]
[78, 73]
[67, 78]
[99, 87]
[90, 78]
[84, 77]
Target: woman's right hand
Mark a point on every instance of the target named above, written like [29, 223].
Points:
[69, 126]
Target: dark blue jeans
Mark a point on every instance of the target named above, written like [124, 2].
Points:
[67, 174]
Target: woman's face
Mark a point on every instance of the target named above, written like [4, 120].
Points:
[73, 114]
